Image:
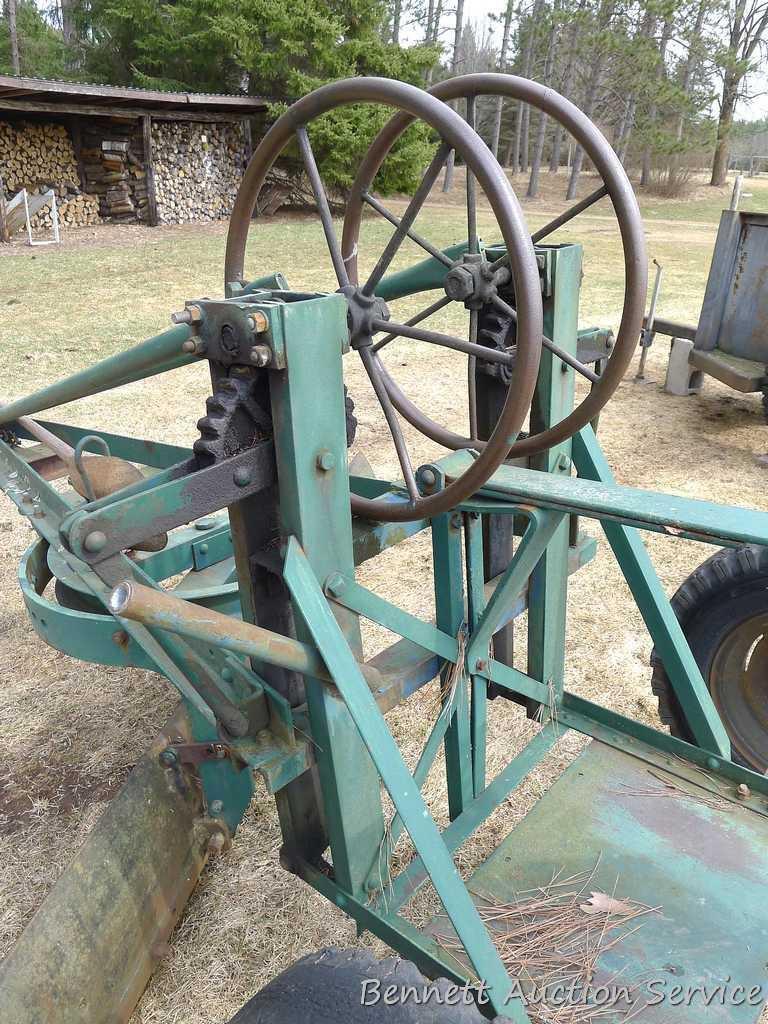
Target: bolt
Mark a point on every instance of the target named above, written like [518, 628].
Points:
[564, 367]
[480, 665]
[713, 764]
[261, 355]
[242, 476]
[205, 524]
[120, 637]
[217, 806]
[428, 477]
[743, 792]
[226, 675]
[190, 315]
[258, 322]
[335, 584]
[95, 541]
[216, 843]
[203, 549]
[325, 461]
[564, 461]
[169, 758]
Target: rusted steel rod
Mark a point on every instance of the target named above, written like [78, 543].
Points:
[159, 610]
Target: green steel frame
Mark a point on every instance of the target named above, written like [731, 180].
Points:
[327, 756]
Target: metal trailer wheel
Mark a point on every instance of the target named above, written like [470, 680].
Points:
[723, 609]
[327, 988]
[367, 315]
[485, 276]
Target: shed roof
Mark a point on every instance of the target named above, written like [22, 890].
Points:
[41, 94]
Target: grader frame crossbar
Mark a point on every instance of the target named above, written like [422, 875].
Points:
[262, 640]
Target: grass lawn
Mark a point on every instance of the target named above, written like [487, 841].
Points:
[70, 732]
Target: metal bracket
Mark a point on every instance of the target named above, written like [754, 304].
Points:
[192, 755]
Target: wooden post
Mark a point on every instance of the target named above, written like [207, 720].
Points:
[149, 167]
[248, 137]
[77, 145]
[5, 235]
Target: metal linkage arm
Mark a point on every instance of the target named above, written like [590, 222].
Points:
[160, 610]
[156, 355]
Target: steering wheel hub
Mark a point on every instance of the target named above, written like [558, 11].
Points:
[362, 311]
[473, 281]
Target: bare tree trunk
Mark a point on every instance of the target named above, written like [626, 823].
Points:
[745, 36]
[397, 7]
[566, 88]
[455, 62]
[533, 183]
[694, 56]
[523, 110]
[496, 134]
[15, 62]
[724, 125]
[666, 33]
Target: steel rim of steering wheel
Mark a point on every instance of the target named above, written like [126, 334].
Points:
[616, 185]
[458, 135]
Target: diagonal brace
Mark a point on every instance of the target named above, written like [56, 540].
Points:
[399, 783]
[541, 528]
[661, 621]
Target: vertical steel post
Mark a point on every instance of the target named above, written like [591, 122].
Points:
[447, 555]
[311, 450]
[553, 400]
[473, 535]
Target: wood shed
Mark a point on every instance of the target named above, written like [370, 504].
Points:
[124, 154]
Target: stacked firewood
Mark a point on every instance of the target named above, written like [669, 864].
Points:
[115, 172]
[198, 168]
[39, 156]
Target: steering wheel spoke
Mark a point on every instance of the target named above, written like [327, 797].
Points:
[323, 206]
[412, 211]
[615, 185]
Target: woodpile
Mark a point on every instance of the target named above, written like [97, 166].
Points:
[198, 168]
[39, 156]
[114, 170]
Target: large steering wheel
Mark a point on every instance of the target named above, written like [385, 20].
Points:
[477, 280]
[368, 315]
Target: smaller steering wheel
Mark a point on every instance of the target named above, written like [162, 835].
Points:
[367, 315]
[475, 281]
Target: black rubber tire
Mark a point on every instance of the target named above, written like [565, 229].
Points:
[326, 988]
[728, 588]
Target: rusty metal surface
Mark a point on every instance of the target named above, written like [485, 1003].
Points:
[89, 951]
[666, 842]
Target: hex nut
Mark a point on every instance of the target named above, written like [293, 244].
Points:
[261, 355]
[459, 284]
[217, 842]
[258, 322]
[325, 461]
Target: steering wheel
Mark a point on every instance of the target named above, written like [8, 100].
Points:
[475, 281]
[368, 315]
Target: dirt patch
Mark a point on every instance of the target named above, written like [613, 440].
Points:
[51, 790]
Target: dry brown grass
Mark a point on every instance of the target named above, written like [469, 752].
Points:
[61, 720]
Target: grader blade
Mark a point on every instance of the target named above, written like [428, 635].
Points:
[89, 950]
